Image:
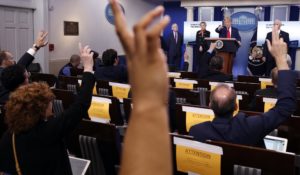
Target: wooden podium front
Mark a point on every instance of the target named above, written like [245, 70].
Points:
[227, 52]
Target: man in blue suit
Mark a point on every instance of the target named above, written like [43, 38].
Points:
[174, 44]
[250, 130]
[227, 31]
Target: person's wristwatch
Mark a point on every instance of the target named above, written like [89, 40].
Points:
[36, 47]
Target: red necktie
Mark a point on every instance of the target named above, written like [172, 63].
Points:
[228, 33]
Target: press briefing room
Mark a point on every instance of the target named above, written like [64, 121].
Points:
[150, 87]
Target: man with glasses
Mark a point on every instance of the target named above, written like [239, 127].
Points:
[269, 58]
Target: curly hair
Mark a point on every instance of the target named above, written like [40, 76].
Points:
[27, 106]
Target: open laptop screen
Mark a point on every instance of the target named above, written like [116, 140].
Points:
[276, 143]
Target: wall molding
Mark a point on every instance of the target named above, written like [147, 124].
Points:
[211, 3]
[29, 4]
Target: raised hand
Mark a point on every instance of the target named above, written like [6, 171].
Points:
[147, 132]
[41, 39]
[87, 58]
[146, 62]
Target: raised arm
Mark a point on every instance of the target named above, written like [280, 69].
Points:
[28, 57]
[147, 148]
[286, 88]
[69, 119]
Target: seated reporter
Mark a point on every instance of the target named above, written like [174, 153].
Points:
[250, 130]
[111, 70]
[33, 143]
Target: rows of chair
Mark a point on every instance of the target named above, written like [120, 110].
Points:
[101, 142]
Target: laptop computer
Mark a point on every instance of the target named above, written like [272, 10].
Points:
[276, 143]
[79, 166]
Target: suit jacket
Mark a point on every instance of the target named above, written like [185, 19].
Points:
[200, 40]
[174, 48]
[205, 72]
[251, 130]
[112, 73]
[234, 33]
[25, 61]
[284, 35]
[41, 150]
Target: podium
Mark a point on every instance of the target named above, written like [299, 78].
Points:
[227, 52]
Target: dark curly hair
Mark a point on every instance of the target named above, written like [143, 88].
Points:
[27, 106]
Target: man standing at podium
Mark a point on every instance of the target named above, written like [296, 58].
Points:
[227, 31]
[174, 43]
[269, 58]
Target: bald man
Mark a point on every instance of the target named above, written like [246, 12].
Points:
[250, 130]
[269, 58]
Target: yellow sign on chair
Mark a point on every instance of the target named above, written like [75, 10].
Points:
[120, 90]
[264, 82]
[238, 98]
[214, 84]
[185, 84]
[99, 109]
[198, 158]
[196, 115]
[269, 103]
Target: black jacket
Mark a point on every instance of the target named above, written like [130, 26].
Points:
[41, 150]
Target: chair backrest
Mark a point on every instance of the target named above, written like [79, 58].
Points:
[98, 110]
[246, 88]
[68, 83]
[127, 108]
[34, 68]
[187, 96]
[189, 115]
[89, 149]
[269, 162]
[248, 79]
[190, 75]
[107, 142]
[50, 79]
[290, 130]
[67, 97]
[103, 88]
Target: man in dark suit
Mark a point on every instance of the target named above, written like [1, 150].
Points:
[227, 31]
[269, 58]
[211, 67]
[174, 43]
[16, 75]
[250, 130]
[111, 70]
[201, 44]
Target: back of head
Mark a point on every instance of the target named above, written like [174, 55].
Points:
[13, 76]
[216, 63]
[75, 60]
[27, 106]
[223, 101]
[274, 76]
[109, 57]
